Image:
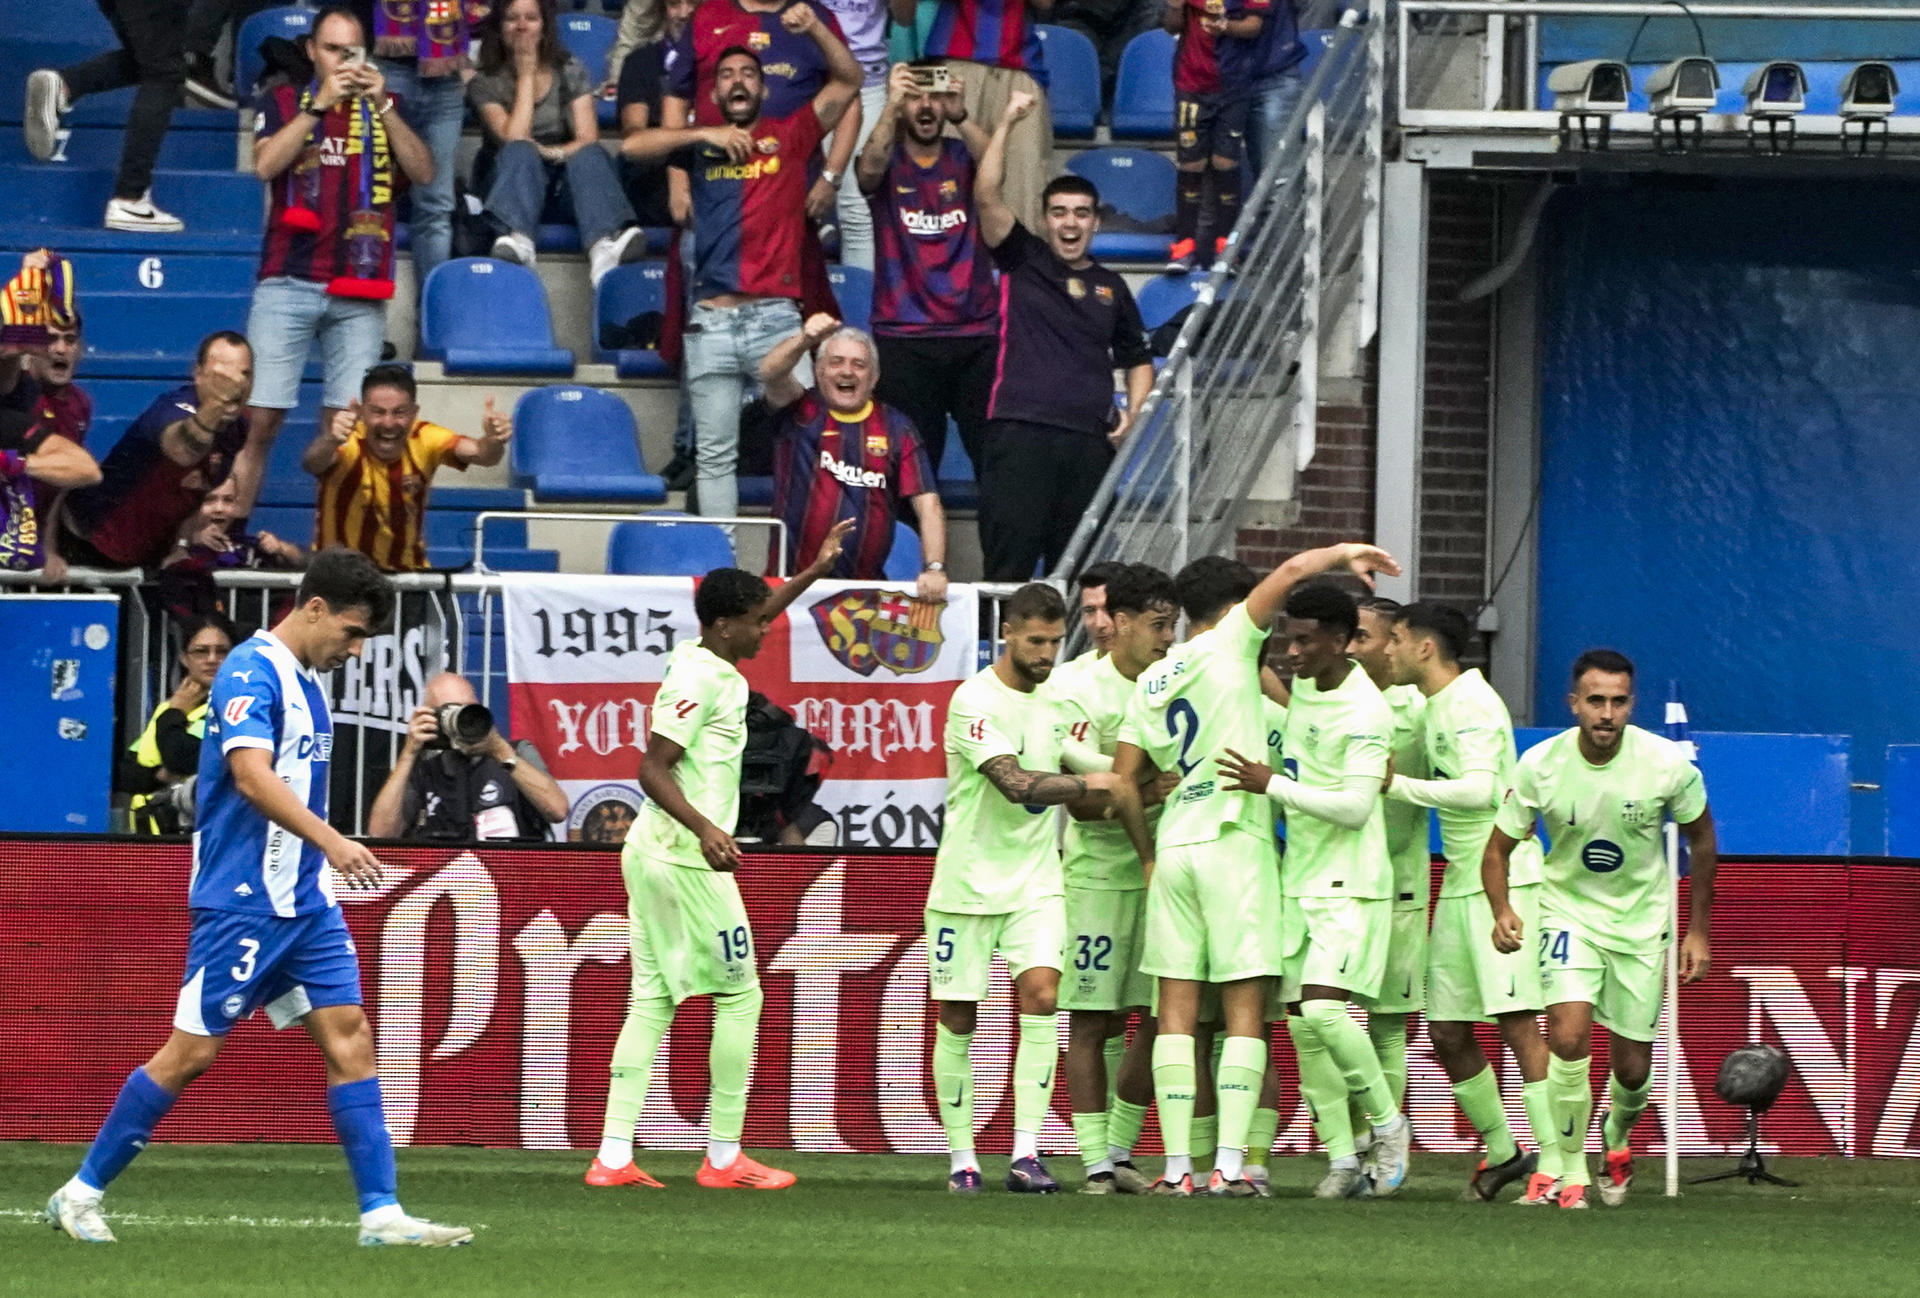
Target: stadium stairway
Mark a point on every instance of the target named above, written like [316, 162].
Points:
[149, 299]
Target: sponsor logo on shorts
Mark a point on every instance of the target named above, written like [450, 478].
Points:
[232, 1005]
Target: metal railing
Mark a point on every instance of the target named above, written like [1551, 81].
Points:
[1241, 382]
[1474, 64]
[776, 528]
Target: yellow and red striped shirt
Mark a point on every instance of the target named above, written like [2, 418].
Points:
[378, 508]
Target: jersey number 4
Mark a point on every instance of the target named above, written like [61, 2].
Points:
[1183, 723]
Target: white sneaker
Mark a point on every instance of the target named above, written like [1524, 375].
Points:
[80, 1218]
[1257, 1178]
[138, 215]
[615, 250]
[413, 1230]
[517, 248]
[1390, 1157]
[40, 122]
[1343, 1183]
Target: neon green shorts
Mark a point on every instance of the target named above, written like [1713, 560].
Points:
[1105, 931]
[1624, 987]
[687, 928]
[1334, 942]
[1403, 983]
[1213, 910]
[960, 947]
[1468, 980]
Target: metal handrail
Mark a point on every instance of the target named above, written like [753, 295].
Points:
[1304, 246]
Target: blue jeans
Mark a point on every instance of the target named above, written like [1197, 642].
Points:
[287, 317]
[1274, 101]
[435, 108]
[522, 180]
[724, 348]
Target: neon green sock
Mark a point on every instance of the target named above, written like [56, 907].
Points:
[1090, 1135]
[1388, 1032]
[1624, 1108]
[1572, 1092]
[1034, 1064]
[1538, 1097]
[1113, 1050]
[1323, 1089]
[1260, 1133]
[1353, 1054]
[1479, 1098]
[1124, 1120]
[1243, 1065]
[1206, 1131]
[736, 1022]
[953, 1086]
[1173, 1092]
[632, 1071]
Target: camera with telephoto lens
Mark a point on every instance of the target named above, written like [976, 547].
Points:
[464, 725]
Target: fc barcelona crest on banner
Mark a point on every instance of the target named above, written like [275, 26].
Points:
[865, 629]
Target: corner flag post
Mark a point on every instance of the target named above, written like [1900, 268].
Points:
[1678, 732]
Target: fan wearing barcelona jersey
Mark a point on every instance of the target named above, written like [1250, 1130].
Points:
[748, 182]
[839, 455]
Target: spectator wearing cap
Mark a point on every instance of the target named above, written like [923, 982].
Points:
[747, 183]
[1066, 324]
[540, 112]
[996, 48]
[332, 154]
[841, 455]
[376, 461]
[37, 381]
[171, 456]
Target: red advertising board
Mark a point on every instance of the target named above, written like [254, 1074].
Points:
[496, 979]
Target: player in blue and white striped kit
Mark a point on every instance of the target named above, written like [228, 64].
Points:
[266, 929]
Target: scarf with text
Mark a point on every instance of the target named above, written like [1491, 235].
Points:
[436, 32]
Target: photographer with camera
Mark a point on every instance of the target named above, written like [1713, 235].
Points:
[460, 780]
[159, 768]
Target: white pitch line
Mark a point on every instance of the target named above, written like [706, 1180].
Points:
[167, 1219]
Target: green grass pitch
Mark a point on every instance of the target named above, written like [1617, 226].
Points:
[275, 1220]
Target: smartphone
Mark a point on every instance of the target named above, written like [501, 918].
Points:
[935, 80]
[355, 56]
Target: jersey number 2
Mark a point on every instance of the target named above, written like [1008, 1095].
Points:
[1183, 723]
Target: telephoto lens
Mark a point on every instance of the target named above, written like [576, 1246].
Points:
[464, 724]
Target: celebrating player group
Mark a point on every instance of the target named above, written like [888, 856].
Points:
[1173, 910]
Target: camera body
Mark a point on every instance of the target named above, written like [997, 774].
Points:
[463, 725]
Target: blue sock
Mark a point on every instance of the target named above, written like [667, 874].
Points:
[362, 1126]
[141, 1104]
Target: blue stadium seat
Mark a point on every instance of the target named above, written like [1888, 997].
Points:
[1163, 297]
[1136, 200]
[668, 549]
[154, 335]
[1073, 91]
[959, 487]
[590, 38]
[481, 316]
[904, 559]
[626, 292]
[575, 443]
[853, 289]
[290, 22]
[1143, 91]
[70, 199]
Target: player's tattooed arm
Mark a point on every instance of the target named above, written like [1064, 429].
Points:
[1041, 788]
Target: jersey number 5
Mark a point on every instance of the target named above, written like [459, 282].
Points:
[1183, 723]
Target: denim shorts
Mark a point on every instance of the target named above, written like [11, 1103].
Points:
[288, 315]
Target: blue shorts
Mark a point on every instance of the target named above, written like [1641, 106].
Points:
[238, 962]
[287, 317]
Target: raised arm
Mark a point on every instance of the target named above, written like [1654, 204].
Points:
[989, 183]
[1264, 604]
[871, 167]
[777, 366]
[62, 462]
[822, 564]
[488, 449]
[324, 449]
[843, 75]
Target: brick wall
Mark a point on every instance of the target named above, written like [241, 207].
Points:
[1336, 491]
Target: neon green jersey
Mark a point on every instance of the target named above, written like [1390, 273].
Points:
[1331, 737]
[1200, 700]
[995, 856]
[1275, 716]
[702, 706]
[1606, 872]
[1407, 833]
[1092, 706]
[1469, 731]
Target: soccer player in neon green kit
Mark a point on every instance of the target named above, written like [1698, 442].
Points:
[1604, 788]
[1105, 888]
[1213, 898]
[687, 925]
[1337, 882]
[1469, 747]
[997, 881]
[1403, 984]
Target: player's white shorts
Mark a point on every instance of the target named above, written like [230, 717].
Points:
[1334, 942]
[1105, 932]
[1403, 982]
[1624, 987]
[960, 947]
